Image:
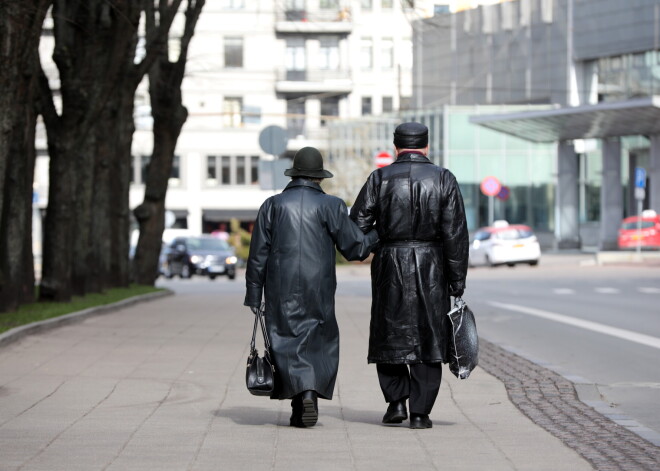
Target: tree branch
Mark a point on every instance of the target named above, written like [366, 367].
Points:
[156, 36]
[46, 103]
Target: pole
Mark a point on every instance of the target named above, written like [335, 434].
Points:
[639, 226]
[491, 211]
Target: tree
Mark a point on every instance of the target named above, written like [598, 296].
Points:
[86, 226]
[165, 79]
[20, 29]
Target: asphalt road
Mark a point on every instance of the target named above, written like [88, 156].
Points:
[599, 326]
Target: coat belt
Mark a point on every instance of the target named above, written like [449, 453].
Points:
[411, 243]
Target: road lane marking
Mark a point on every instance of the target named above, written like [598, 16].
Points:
[606, 290]
[588, 325]
[563, 291]
[648, 290]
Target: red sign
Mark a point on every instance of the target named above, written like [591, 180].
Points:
[383, 159]
[490, 186]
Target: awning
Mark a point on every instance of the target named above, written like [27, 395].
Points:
[219, 215]
[625, 118]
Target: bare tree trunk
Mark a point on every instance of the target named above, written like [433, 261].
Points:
[169, 115]
[94, 52]
[20, 29]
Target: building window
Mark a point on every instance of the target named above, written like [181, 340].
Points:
[232, 170]
[295, 59]
[254, 166]
[366, 105]
[387, 53]
[225, 168]
[231, 111]
[329, 4]
[366, 53]
[366, 4]
[140, 170]
[295, 117]
[386, 4]
[387, 104]
[329, 108]
[233, 51]
[329, 53]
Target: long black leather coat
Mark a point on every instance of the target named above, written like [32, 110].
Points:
[421, 259]
[292, 258]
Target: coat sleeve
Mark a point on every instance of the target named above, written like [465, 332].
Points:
[455, 237]
[351, 242]
[363, 211]
[255, 274]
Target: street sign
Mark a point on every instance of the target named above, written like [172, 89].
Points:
[503, 193]
[383, 159]
[490, 186]
[640, 193]
[640, 177]
[273, 140]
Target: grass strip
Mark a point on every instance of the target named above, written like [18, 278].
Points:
[28, 313]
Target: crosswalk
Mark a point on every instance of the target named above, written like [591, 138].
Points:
[607, 290]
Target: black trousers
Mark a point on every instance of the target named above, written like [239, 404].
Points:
[420, 382]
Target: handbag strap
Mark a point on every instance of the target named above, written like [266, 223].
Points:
[259, 319]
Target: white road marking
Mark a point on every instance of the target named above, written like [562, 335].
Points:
[563, 291]
[588, 325]
[606, 290]
[648, 290]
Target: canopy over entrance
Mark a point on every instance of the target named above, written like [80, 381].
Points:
[625, 118]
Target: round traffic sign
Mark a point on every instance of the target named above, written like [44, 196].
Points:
[490, 186]
[383, 159]
[272, 140]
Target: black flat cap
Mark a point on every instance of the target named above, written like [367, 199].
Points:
[411, 136]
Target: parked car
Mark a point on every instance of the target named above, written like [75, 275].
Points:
[504, 244]
[200, 255]
[648, 236]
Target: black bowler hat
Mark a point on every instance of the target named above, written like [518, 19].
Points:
[411, 136]
[308, 162]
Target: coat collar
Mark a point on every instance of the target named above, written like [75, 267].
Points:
[411, 157]
[298, 182]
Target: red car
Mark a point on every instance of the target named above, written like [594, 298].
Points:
[648, 236]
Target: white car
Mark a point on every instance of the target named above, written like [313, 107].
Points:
[504, 244]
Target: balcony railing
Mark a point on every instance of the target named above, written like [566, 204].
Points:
[314, 80]
[315, 21]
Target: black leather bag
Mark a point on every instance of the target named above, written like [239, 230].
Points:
[260, 372]
[464, 344]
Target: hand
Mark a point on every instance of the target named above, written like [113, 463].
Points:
[254, 309]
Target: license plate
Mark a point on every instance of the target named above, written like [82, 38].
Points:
[216, 269]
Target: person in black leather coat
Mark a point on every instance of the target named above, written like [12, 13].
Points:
[421, 261]
[292, 260]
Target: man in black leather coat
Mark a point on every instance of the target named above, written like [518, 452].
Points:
[420, 262]
[292, 260]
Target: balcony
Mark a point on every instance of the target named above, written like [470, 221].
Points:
[314, 81]
[332, 21]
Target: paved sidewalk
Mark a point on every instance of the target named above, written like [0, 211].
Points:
[160, 386]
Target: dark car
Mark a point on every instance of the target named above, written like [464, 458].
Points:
[201, 255]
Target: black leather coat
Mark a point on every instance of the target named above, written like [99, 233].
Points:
[292, 259]
[421, 259]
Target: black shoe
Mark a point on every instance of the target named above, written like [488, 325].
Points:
[309, 413]
[396, 412]
[420, 421]
[296, 412]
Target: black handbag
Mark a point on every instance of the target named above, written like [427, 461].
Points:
[464, 343]
[260, 372]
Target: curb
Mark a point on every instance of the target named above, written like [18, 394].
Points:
[17, 333]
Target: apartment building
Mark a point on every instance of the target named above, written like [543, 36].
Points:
[294, 66]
